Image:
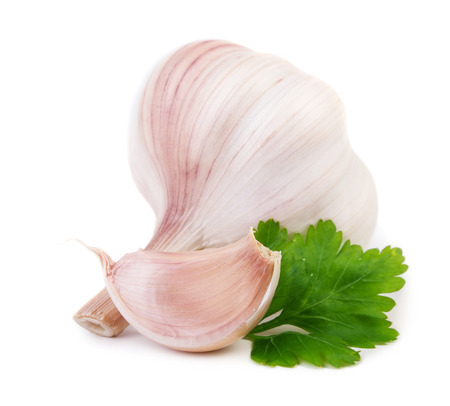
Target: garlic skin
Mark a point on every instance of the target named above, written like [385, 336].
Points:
[226, 137]
[195, 301]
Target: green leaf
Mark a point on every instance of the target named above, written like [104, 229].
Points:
[271, 235]
[330, 289]
[290, 348]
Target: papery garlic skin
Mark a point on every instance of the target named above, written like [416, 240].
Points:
[227, 137]
[195, 301]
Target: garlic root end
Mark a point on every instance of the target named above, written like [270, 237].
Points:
[100, 316]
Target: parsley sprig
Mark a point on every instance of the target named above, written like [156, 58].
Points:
[331, 291]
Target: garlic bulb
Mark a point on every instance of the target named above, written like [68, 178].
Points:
[227, 137]
[198, 300]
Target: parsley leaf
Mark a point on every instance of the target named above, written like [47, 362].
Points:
[331, 291]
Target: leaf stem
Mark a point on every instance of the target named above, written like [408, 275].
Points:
[276, 322]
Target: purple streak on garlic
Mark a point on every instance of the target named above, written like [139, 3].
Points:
[195, 301]
[227, 137]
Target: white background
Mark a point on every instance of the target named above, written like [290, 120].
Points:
[69, 73]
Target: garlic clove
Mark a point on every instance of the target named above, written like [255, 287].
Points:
[195, 301]
[226, 137]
